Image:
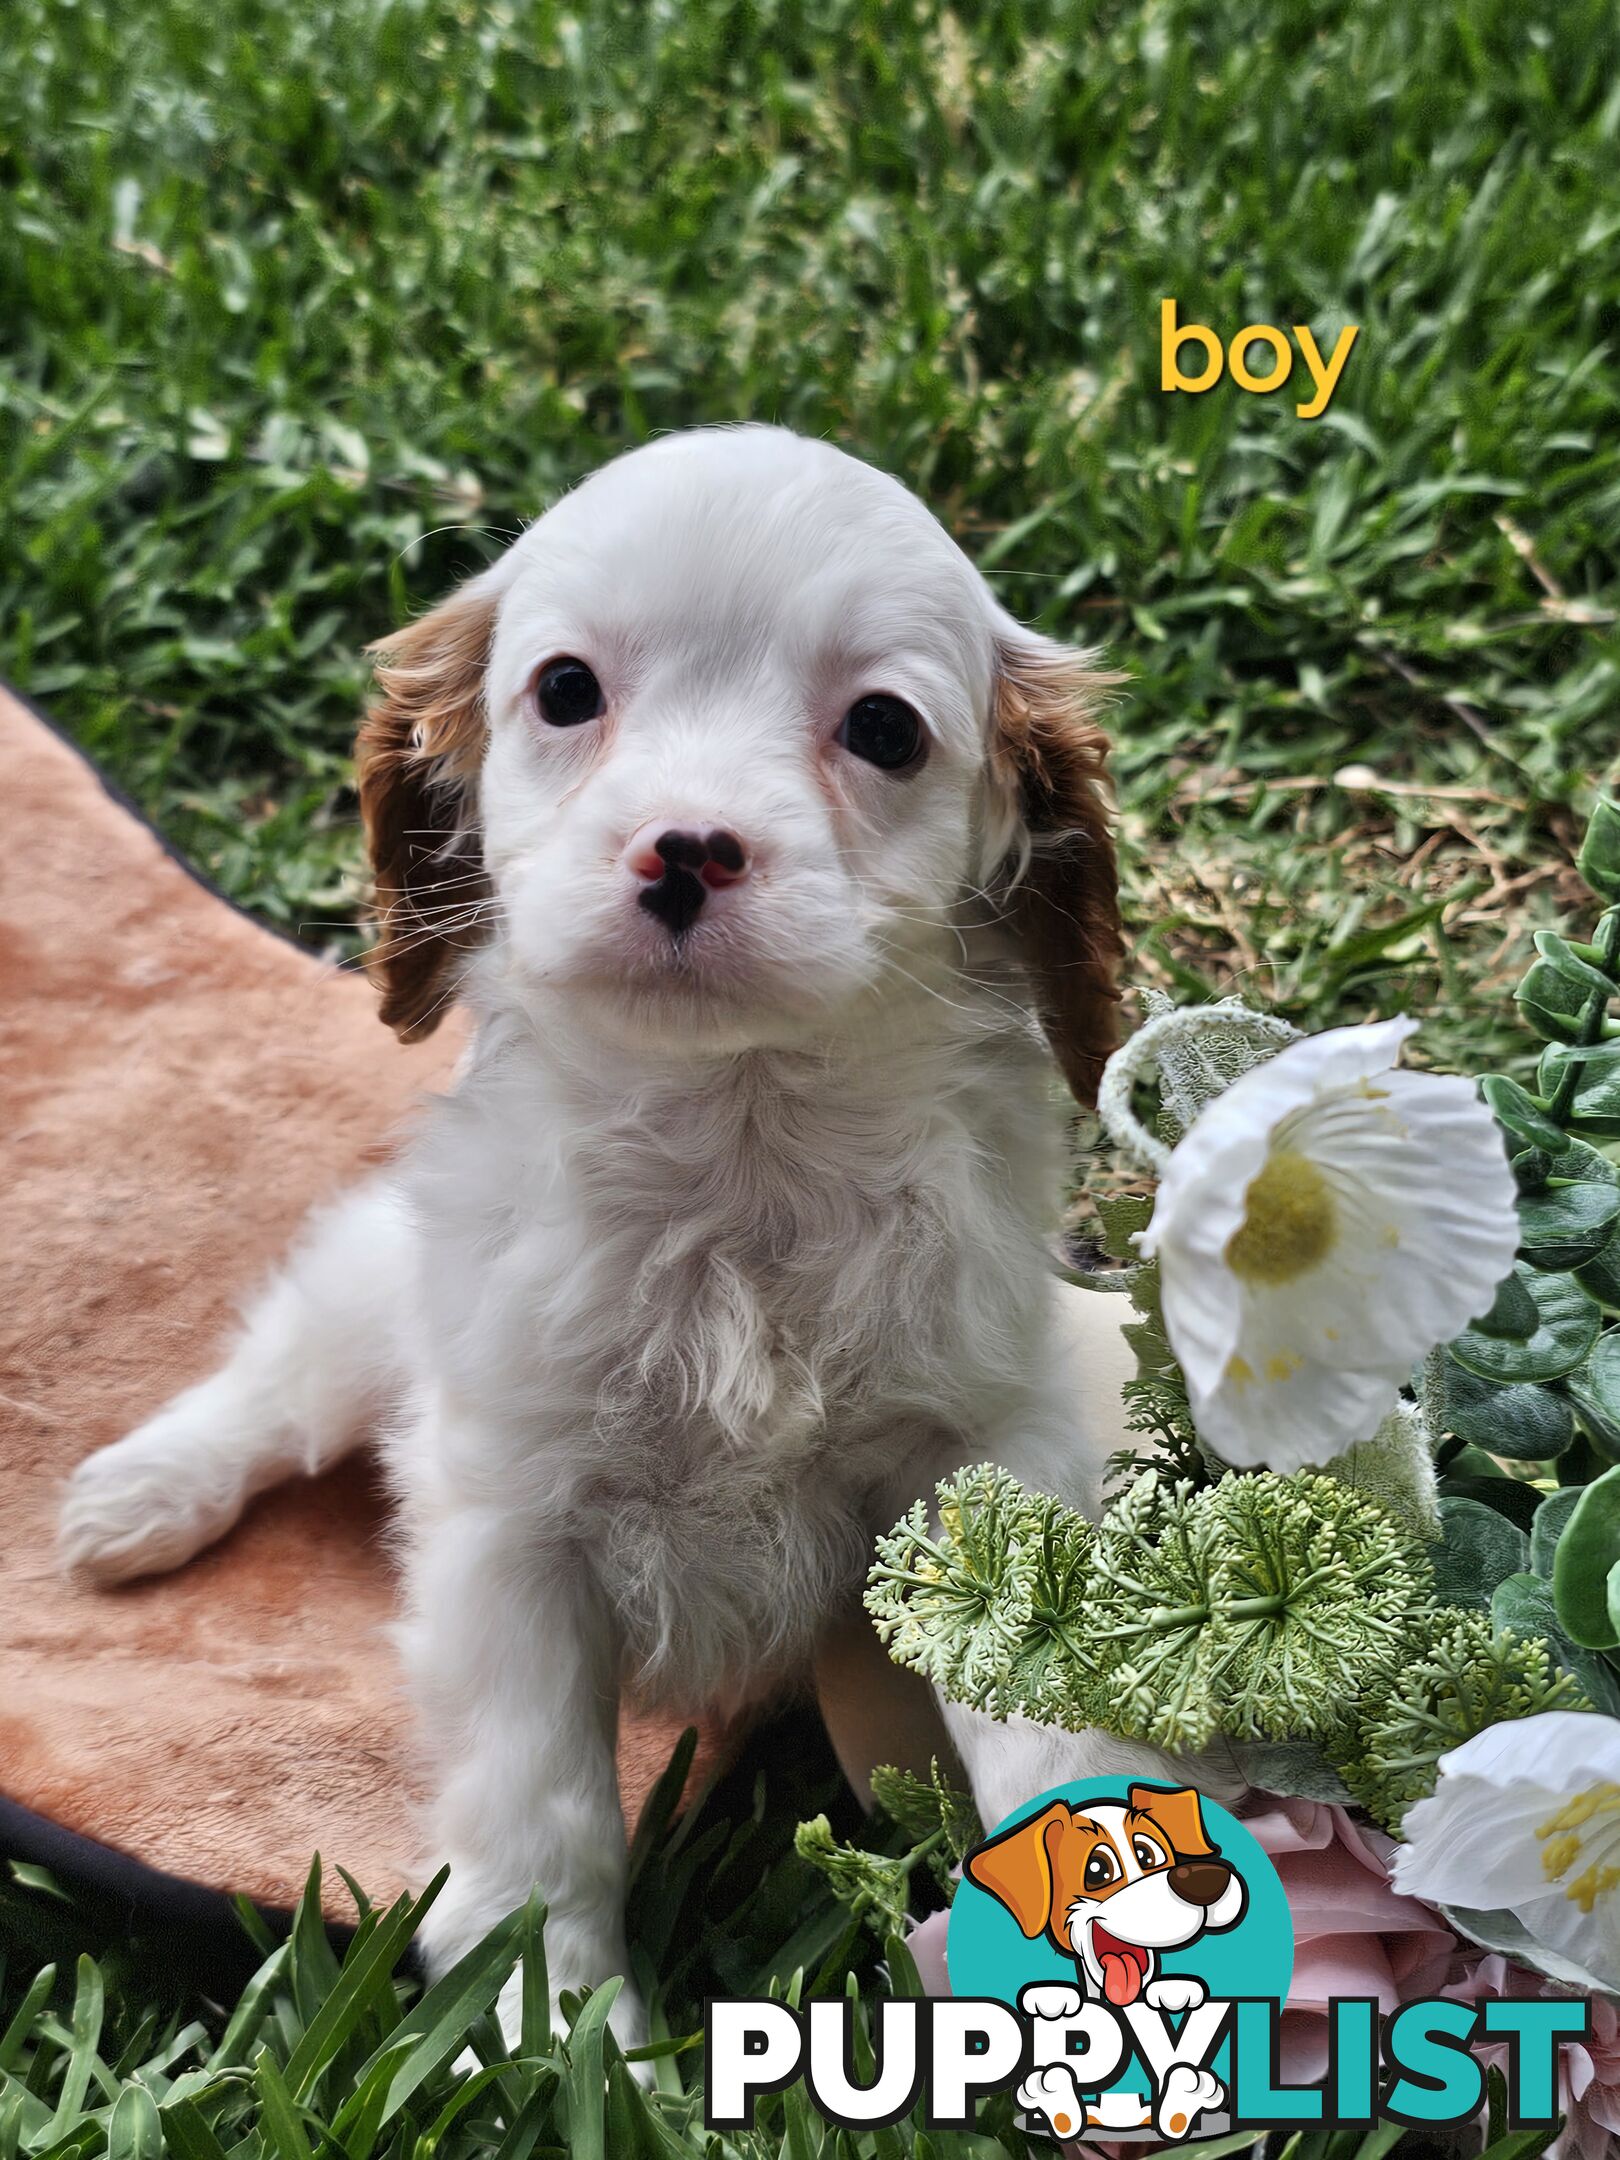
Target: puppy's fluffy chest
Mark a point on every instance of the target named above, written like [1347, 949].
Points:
[735, 1253]
[737, 1318]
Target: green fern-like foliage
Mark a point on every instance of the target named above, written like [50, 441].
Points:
[953, 1602]
[1155, 1399]
[1049, 1672]
[922, 1807]
[940, 1824]
[1261, 1607]
[872, 1886]
[1474, 1676]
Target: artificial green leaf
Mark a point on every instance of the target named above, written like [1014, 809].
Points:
[1473, 1462]
[1587, 1550]
[1529, 1606]
[365, 1975]
[1293, 1767]
[1477, 1549]
[1567, 1326]
[1520, 1113]
[1123, 1216]
[1595, 1391]
[1600, 1278]
[1595, 1105]
[1468, 1677]
[1508, 1496]
[1599, 859]
[1575, 964]
[1548, 1527]
[1612, 1598]
[1580, 1462]
[1578, 1162]
[1513, 1316]
[1505, 1931]
[1551, 1002]
[1524, 1423]
[1531, 1168]
[1566, 1225]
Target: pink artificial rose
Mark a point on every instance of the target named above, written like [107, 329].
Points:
[1591, 2088]
[1352, 1934]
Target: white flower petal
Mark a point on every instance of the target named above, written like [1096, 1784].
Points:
[1214, 1162]
[1427, 1215]
[1587, 1938]
[1286, 1411]
[1526, 1818]
[1474, 1843]
[1583, 1746]
[1200, 1201]
[1384, 1223]
[1203, 1314]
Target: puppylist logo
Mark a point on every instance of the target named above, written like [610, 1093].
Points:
[1119, 1955]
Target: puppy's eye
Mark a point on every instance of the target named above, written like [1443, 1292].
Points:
[1147, 1853]
[884, 731]
[567, 693]
[1101, 1868]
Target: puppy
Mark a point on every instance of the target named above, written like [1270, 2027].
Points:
[1114, 1886]
[772, 859]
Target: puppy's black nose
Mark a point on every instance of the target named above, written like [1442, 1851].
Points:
[1200, 1882]
[680, 869]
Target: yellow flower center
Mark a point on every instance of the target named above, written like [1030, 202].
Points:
[1289, 1222]
[1563, 1847]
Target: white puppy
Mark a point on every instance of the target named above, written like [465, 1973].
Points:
[762, 845]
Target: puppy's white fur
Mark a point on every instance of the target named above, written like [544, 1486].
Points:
[722, 1250]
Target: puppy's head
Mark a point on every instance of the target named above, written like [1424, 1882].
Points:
[1113, 1885]
[731, 741]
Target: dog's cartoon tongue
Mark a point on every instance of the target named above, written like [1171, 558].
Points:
[1124, 1967]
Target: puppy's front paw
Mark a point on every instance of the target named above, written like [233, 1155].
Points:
[147, 1503]
[1175, 1994]
[1050, 1999]
[1187, 2094]
[1053, 2093]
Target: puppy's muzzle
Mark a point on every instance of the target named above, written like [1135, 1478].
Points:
[679, 869]
[1200, 1882]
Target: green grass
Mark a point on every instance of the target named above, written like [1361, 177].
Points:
[335, 2051]
[304, 309]
[328, 2047]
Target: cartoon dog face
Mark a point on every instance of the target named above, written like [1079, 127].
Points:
[1114, 1884]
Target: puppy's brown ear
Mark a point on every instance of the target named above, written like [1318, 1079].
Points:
[416, 765]
[1016, 1868]
[1178, 1815]
[1064, 906]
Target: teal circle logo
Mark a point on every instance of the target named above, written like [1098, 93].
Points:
[1136, 1894]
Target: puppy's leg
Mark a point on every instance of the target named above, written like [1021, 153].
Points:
[318, 1346]
[514, 1661]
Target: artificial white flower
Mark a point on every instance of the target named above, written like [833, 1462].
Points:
[1525, 1819]
[1326, 1222]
